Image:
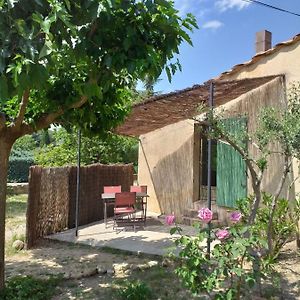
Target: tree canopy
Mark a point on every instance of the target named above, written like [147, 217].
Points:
[63, 149]
[59, 55]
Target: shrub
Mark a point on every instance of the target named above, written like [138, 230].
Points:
[135, 290]
[223, 274]
[28, 287]
[108, 149]
[18, 168]
[285, 221]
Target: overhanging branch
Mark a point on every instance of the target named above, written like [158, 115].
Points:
[46, 120]
[22, 109]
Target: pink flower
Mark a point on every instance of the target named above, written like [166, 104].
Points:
[235, 216]
[222, 234]
[205, 215]
[170, 219]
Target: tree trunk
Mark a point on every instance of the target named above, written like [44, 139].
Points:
[287, 166]
[5, 148]
[256, 203]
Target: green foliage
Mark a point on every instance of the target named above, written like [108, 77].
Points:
[18, 168]
[28, 287]
[223, 275]
[25, 143]
[281, 126]
[62, 151]
[44, 138]
[284, 221]
[226, 273]
[21, 159]
[16, 207]
[110, 148]
[94, 51]
[135, 290]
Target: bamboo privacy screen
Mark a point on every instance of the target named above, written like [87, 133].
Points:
[52, 192]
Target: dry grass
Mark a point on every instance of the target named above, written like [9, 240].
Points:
[15, 221]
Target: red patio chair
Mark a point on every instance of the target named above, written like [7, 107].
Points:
[112, 189]
[138, 189]
[141, 200]
[124, 210]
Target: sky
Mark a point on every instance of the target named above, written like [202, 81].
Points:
[226, 36]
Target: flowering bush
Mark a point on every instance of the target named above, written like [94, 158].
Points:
[205, 214]
[284, 220]
[222, 274]
[222, 234]
[170, 219]
[235, 216]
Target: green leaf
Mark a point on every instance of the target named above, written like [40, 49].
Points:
[186, 37]
[46, 50]
[37, 17]
[169, 74]
[250, 281]
[38, 76]
[68, 5]
[2, 63]
[46, 24]
[3, 88]
[108, 61]
[21, 27]
[173, 230]
[126, 43]
[163, 2]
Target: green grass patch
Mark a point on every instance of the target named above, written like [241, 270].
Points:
[16, 210]
[16, 206]
[28, 287]
[135, 290]
[161, 281]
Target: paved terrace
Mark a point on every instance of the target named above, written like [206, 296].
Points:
[154, 238]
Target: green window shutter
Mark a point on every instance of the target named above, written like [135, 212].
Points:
[231, 168]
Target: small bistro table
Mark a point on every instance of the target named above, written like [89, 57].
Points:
[109, 200]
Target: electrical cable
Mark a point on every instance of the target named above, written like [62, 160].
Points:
[272, 7]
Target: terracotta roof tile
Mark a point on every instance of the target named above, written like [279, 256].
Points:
[159, 111]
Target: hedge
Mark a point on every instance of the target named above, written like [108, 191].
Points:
[18, 168]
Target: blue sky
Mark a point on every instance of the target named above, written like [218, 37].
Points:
[227, 36]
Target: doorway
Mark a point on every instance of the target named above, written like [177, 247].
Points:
[204, 162]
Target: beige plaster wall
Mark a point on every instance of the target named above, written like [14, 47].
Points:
[270, 94]
[285, 61]
[166, 167]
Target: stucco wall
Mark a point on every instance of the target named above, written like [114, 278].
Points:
[166, 167]
[270, 94]
[285, 61]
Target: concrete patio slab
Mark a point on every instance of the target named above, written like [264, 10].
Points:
[154, 238]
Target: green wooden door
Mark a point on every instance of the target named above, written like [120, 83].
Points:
[231, 168]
